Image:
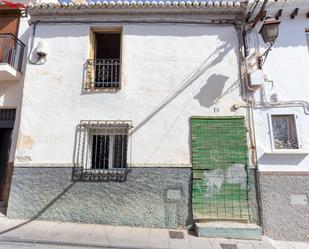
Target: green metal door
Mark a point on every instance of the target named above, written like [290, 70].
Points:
[220, 177]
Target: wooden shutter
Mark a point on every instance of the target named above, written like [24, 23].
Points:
[220, 177]
[9, 22]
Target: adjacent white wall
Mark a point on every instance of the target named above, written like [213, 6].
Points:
[170, 72]
[287, 66]
[11, 91]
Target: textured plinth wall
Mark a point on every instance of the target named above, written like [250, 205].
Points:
[254, 204]
[142, 200]
[285, 213]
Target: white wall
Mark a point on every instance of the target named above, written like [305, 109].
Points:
[170, 72]
[287, 65]
[11, 91]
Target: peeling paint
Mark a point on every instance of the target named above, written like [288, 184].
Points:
[25, 142]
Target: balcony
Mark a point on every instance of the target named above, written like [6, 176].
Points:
[103, 74]
[11, 57]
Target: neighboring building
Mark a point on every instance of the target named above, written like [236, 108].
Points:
[281, 121]
[12, 66]
[128, 115]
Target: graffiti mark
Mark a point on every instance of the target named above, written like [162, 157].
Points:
[214, 155]
[214, 179]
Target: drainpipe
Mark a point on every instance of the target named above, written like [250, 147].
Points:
[247, 97]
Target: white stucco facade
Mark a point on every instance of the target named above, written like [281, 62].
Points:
[11, 91]
[170, 72]
[286, 73]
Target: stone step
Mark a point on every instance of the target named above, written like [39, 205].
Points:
[231, 230]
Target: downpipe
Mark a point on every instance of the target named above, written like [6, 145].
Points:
[247, 97]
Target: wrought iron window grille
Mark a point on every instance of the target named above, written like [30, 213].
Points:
[103, 75]
[101, 149]
[11, 51]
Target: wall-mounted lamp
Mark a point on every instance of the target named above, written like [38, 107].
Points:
[269, 32]
[41, 50]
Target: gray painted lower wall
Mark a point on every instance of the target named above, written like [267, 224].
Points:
[254, 205]
[50, 194]
[284, 216]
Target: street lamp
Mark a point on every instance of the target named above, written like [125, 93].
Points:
[269, 32]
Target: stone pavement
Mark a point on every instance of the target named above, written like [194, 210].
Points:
[54, 235]
[289, 244]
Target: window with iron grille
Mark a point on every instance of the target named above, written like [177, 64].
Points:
[102, 148]
[103, 69]
[284, 132]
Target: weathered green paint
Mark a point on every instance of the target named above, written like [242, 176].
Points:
[219, 153]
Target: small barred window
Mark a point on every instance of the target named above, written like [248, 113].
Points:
[102, 149]
[284, 132]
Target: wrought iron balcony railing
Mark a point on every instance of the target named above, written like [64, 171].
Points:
[103, 74]
[11, 51]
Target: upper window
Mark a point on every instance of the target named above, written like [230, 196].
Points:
[284, 132]
[103, 68]
[102, 148]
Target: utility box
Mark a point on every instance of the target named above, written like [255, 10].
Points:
[257, 78]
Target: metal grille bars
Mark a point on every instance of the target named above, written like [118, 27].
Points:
[103, 74]
[101, 150]
[11, 51]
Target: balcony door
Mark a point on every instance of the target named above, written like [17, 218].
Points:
[107, 59]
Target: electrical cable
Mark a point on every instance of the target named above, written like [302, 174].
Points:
[32, 43]
[252, 10]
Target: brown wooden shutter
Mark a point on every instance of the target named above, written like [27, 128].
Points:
[9, 20]
[9, 23]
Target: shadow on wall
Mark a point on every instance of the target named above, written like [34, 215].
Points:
[281, 159]
[292, 33]
[212, 90]
[46, 207]
[141, 201]
[213, 59]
